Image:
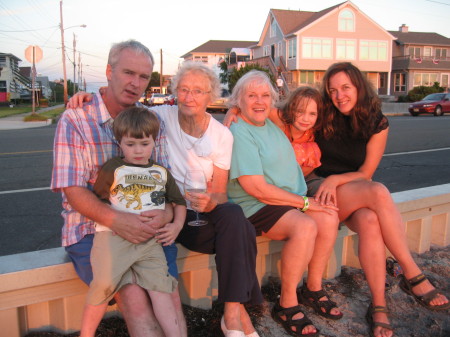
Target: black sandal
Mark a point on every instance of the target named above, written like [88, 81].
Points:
[278, 312]
[372, 324]
[425, 299]
[312, 299]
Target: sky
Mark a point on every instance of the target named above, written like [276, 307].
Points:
[170, 27]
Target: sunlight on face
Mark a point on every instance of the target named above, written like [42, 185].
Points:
[343, 93]
[137, 151]
[305, 114]
[193, 94]
[256, 103]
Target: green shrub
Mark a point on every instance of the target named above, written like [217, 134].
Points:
[418, 93]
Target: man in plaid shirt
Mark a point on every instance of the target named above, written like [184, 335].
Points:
[83, 142]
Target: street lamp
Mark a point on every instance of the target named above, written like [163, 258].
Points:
[64, 50]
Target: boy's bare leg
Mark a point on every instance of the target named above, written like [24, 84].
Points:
[135, 306]
[179, 310]
[165, 313]
[92, 315]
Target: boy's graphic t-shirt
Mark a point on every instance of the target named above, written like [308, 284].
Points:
[136, 188]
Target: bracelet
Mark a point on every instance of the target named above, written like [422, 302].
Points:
[305, 205]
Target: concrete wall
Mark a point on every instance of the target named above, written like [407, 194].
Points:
[41, 291]
[395, 108]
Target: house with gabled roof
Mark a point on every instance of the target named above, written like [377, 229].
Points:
[301, 45]
[13, 84]
[419, 58]
[214, 52]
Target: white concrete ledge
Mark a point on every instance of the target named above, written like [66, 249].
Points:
[41, 291]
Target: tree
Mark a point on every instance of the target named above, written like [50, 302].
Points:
[223, 72]
[236, 74]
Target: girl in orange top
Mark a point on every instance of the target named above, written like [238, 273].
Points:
[297, 118]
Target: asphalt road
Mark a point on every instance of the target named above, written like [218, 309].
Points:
[417, 155]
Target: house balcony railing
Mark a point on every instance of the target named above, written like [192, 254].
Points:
[423, 62]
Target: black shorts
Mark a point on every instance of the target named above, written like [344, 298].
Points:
[267, 217]
[313, 182]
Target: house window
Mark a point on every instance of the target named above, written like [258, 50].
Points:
[346, 21]
[2, 86]
[426, 79]
[318, 48]
[345, 49]
[373, 50]
[414, 52]
[400, 83]
[273, 28]
[292, 48]
[427, 51]
[441, 53]
[445, 80]
[203, 59]
[307, 77]
[266, 50]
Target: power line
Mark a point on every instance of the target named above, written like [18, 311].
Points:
[25, 31]
[438, 2]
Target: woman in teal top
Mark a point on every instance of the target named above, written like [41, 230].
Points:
[267, 182]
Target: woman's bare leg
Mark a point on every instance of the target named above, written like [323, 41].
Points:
[371, 251]
[327, 229]
[375, 196]
[299, 232]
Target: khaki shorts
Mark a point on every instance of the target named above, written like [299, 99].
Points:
[117, 262]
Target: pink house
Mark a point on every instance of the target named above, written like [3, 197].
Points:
[302, 45]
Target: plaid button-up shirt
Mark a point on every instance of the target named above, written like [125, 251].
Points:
[84, 141]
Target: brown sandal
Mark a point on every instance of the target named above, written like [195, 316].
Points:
[312, 299]
[372, 324]
[425, 299]
[289, 322]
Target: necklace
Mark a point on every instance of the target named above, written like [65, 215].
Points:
[187, 143]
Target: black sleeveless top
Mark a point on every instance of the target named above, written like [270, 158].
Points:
[345, 153]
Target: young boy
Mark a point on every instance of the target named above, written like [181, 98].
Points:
[134, 183]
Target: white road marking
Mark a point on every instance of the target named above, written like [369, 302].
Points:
[25, 190]
[385, 155]
[412, 152]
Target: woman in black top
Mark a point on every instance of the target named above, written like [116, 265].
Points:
[352, 138]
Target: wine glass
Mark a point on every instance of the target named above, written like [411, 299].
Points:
[195, 182]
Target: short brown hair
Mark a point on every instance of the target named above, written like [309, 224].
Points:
[137, 123]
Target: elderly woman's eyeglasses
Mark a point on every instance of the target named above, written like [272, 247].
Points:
[196, 93]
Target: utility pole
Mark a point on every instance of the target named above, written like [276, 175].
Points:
[74, 63]
[161, 74]
[63, 52]
[79, 71]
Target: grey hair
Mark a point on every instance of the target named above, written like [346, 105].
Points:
[117, 48]
[198, 68]
[255, 77]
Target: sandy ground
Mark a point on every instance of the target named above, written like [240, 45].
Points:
[349, 290]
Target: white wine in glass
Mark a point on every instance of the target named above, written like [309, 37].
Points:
[195, 182]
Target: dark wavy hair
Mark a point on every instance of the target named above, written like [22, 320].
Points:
[301, 95]
[364, 116]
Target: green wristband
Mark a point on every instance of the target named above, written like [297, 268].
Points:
[306, 205]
